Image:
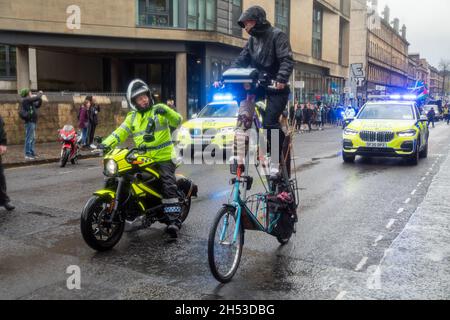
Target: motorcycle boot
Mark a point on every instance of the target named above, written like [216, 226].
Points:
[172, 210]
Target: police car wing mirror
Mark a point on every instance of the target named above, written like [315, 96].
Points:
[194, 116]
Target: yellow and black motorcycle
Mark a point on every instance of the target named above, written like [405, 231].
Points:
[131, 199]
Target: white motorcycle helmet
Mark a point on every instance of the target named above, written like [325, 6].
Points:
[136, 88]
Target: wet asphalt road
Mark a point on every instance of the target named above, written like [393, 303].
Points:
[349, 215]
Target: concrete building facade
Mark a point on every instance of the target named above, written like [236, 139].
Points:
[178, 46]
[436, 83]
[422, 68]
[380, 47]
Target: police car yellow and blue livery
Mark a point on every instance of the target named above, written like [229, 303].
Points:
[387, 128]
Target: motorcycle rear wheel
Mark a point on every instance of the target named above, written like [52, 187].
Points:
[104, 236]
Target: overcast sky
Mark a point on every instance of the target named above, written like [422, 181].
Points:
[428, 23]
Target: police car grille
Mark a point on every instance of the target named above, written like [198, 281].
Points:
[372, 136]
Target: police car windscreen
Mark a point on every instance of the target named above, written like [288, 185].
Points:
[226, 110]
[387, 112]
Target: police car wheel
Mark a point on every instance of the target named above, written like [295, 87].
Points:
[424, 153]
[414, 160]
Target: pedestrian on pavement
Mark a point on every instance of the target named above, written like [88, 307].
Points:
[83, 120]
[92, 120]
[431, 117]
[298, 118]
[445, 112]
[171, 104]
[4, 199]
[28, 113]
[309, 116]
[292, 114]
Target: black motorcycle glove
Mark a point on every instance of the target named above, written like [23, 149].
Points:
[161, 111]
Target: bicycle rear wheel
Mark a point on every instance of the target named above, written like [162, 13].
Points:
[224, 254]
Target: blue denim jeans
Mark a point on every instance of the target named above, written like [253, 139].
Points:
[84, 136]
[30, 134]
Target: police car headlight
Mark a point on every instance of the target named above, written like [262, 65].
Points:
[350, 132]
[407, 133]
[111, 168]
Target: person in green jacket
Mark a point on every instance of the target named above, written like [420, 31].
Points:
[147, 119]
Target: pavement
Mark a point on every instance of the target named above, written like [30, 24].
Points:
[47, 153]
[376, 229]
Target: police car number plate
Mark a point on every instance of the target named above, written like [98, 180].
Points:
[376, 145]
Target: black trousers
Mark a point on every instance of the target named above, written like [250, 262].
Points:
[166, 171]
[3, 196]
[276, 104]
[91, 133]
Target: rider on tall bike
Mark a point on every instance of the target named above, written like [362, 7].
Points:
[269, 51]
[148, 119]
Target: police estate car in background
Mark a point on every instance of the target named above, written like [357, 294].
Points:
[387, 126]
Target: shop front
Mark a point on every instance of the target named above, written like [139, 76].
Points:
[314, 84]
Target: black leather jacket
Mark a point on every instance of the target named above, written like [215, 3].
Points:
[268, 48]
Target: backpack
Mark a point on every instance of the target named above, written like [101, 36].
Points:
[24, 115]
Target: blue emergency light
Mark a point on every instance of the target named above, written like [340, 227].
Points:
[223, 97]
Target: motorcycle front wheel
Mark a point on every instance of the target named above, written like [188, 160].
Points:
[64, 157]
[99, 234]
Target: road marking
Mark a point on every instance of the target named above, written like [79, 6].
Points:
[414, 192]
[419, 184]
[407, 200]
[341, 295]
[380, 237]
[94, 168]
[361, 263]
[427, 174]
[390, 224]
[423, 179]
[400, 210]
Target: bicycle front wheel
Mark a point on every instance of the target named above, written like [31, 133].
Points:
[224, 252]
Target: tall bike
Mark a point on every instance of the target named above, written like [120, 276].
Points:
[273, 211]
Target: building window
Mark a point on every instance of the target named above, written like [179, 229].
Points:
[282, 14]
[228, 13]
[202, 14]
[341, 43]
[317, 33]
[7, 62]
[345, 7]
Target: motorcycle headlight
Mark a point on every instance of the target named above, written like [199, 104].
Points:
[407, 133]
[111, 168]
[63, 136]
[350, 132]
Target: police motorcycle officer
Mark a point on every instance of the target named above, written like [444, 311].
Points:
[149, 124]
